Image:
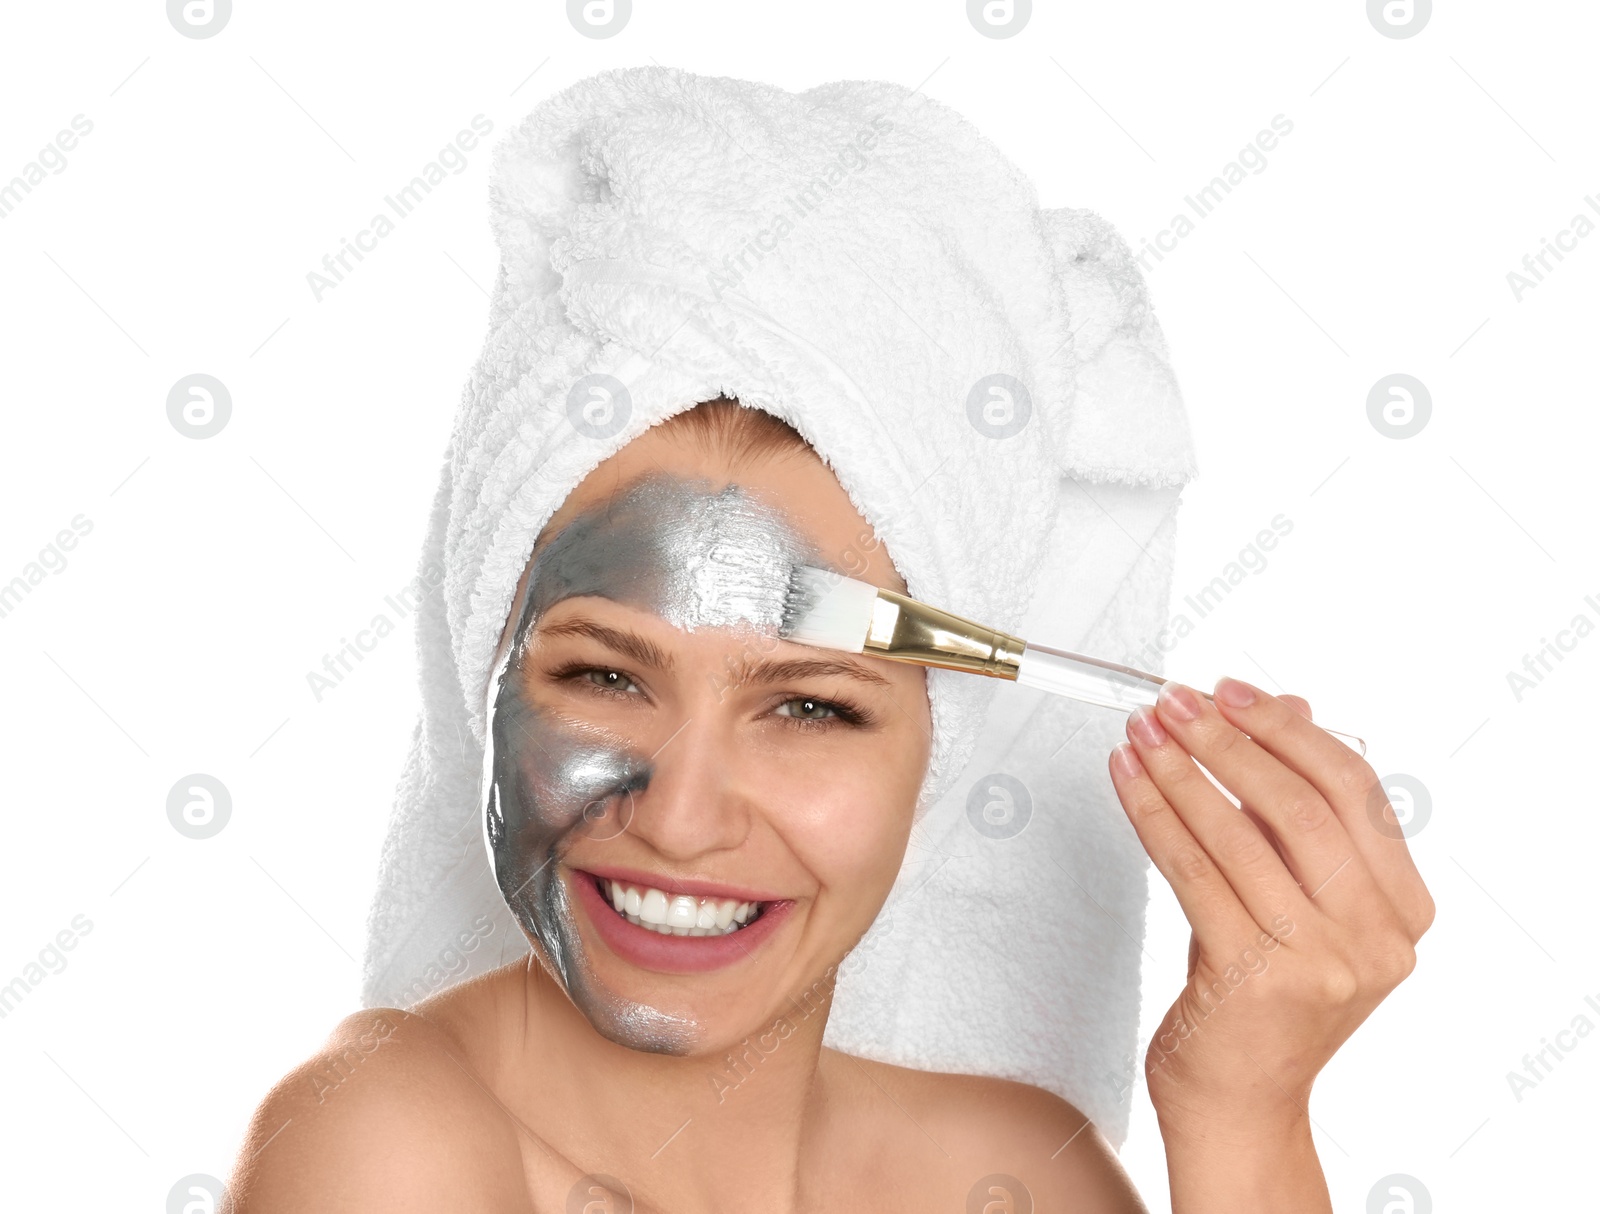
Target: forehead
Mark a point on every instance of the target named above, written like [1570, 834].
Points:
[796, 484]
[696, 555]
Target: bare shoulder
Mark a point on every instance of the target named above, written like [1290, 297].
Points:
[975, 1129]
[387, 1115]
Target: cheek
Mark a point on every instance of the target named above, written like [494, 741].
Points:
[853, 831]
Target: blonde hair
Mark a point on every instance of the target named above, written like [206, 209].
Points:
[738, 433]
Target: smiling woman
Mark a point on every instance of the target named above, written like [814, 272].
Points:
[647, 831]
[690, 860]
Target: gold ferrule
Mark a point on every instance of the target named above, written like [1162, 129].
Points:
[904, 630]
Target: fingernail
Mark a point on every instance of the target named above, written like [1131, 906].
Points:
[1234, 693]
[1180, 701]
[1126, 759]
[1142, 724]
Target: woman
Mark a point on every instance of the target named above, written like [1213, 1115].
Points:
[499, 1094]
[749, 780]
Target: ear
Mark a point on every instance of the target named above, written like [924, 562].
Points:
[1126, 419]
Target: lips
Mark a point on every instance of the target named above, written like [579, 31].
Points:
[675, 885]
[676, 954]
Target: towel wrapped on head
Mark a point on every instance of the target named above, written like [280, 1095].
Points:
[986, 380]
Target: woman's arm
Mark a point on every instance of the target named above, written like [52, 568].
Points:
[1211, 1169]
[1305, 908]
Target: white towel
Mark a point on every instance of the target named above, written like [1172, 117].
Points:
[855, 259]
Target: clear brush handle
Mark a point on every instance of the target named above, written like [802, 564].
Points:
[1108, 684]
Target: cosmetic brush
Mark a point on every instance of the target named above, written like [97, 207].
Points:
[829, 610]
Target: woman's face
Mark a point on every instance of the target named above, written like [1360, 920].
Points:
[651, 740]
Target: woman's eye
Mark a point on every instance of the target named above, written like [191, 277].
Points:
[810, 710]
[613, 680]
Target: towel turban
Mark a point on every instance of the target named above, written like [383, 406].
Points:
[988, 383]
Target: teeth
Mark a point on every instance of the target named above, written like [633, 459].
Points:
[654, 907]
[682, 911]
[678, 914]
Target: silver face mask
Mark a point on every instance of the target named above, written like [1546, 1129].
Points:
[695, 557]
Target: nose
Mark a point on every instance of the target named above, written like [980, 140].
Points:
[692, 805]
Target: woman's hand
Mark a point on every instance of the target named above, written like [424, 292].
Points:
[1305, 908]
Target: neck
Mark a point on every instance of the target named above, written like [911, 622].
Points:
[735, 1126]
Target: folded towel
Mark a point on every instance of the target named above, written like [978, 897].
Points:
[989, 385]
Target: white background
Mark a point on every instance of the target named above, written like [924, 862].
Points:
[178, 637]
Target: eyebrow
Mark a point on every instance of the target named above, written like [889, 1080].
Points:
[645, 651]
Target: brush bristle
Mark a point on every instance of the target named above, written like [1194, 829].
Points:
[827, 609]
